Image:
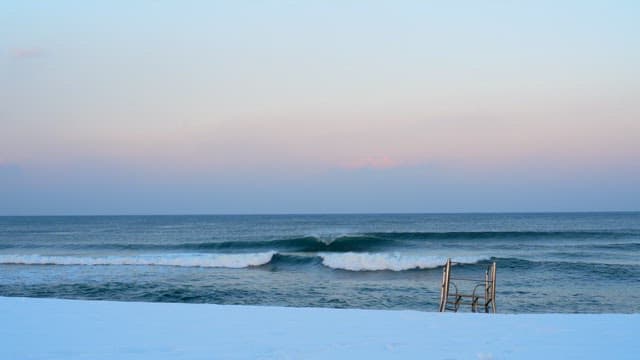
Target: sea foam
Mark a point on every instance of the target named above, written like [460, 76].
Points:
[390, 261]
[186, 260]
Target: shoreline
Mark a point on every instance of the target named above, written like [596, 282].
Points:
[42, 328]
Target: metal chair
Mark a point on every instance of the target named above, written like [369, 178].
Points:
[451, 301]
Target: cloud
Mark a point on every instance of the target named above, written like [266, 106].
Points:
[26, 53]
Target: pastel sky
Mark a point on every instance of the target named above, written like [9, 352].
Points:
[168, 107]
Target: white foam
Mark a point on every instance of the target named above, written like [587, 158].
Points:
[187, 260]
[329, 237]
[389, 261]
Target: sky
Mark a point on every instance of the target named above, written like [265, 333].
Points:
[234, 107]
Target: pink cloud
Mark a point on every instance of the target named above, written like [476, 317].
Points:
[26, 53]
[373, 162]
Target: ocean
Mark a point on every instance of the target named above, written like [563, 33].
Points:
[546, 262]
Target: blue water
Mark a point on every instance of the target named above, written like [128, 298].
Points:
[585, 262]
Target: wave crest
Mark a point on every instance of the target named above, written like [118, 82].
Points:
[390, 261]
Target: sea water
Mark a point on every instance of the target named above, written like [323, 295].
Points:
[547, 262]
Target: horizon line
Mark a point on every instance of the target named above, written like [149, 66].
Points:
[334, 213]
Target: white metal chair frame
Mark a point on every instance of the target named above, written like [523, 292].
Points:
[489, 297]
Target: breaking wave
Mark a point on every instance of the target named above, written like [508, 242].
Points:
[357, 242]
[344, 261]
[390, 261]
[354, 242]
[186, 260]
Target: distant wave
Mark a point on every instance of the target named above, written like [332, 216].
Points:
[356, 242]
[471, 235]
[187, 260]
[353, 242]
[568, 263]
[634, 246]
[389, 261]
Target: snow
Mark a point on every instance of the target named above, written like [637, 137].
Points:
[70, 329]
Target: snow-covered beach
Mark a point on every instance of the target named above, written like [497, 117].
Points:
[71, 329]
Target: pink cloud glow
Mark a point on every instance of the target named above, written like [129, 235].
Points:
[373, 162]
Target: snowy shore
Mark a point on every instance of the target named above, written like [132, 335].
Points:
[69, 329]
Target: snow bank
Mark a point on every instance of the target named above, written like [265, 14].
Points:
[66, 329]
